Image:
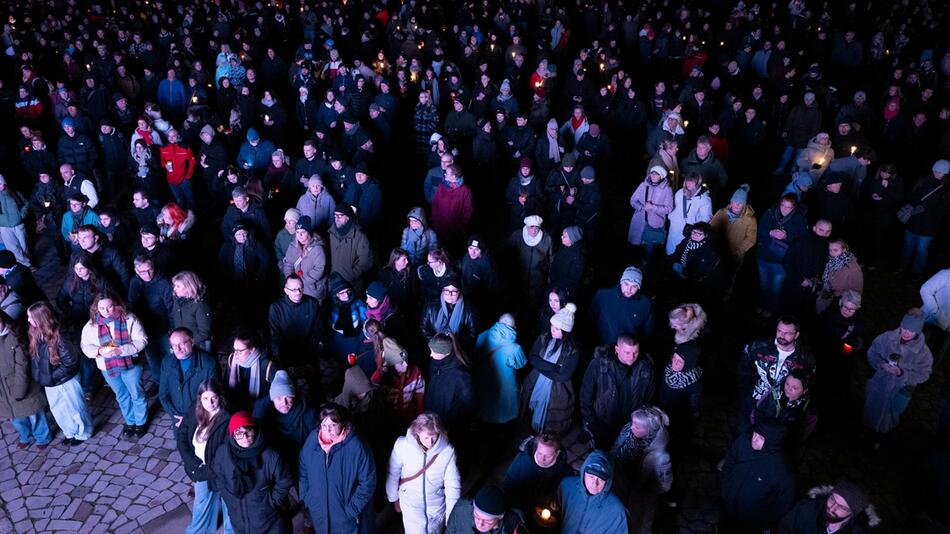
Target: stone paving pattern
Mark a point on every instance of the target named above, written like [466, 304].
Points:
[112, 484]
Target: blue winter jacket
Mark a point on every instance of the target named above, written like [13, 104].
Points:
[338, 486]
[583, 513]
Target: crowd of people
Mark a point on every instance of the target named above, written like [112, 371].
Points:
[360, 252]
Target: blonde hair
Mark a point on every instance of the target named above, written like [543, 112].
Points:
[426, 422]
[191, 283]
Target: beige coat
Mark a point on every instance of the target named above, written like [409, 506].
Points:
[738, 236]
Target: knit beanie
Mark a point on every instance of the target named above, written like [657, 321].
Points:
[338, 283]
[913, 320]
[632, 275]
[533, 220]
[490, 501]
[292, 215]
[280, 386]
[569, 160]
[564, 318]
[942, 166]
[376, 290]
[574, 233]
[853, 494]
[741, 194]
[207, 129]
[392, 352]
[588, 172]
[659, 170]
[240, 420]
[7, 259]
[440, 345]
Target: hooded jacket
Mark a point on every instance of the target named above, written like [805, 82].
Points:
[350, 254]
[337, 486]
[319, 208]
[496, 383]
[584, 513]
[883, 405]
[529, 485]
[611, 390]
[808, 516]
[687, 212]
[20, 396]
[418, 243]
[428, 500]
[738, 236]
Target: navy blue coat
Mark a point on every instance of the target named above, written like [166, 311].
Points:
[338, 486]
[178, 392]
[613, 314]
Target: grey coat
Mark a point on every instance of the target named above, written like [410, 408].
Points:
[883, 405]
[312, 267]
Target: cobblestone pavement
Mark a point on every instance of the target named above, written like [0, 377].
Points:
[111, 484]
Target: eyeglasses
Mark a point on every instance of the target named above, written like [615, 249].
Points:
[183, 345]
[294, 289]
[451, 291]
[243, 433]
[241, 350]
[849, 308]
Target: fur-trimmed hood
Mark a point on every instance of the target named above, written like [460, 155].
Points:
[870, 511]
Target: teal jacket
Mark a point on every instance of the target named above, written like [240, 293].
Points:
[13, 208]
[69, 221]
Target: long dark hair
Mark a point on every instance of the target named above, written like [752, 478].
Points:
[95, 278]
[43, 328]
[202, 416]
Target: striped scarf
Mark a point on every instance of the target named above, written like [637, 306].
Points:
[114, 364]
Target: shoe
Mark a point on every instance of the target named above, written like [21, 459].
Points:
[75, 442]
[139, 430]
[69, 442]
[42, 446]
[20, 445]
[128, 430]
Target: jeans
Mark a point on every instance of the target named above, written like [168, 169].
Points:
[34, 426]
[771, 277]
[69, 409]
[130, 396]
[204, 513]
[183, 194]
[791, 154]
[915, 248]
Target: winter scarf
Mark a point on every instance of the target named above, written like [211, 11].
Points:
[690, 246]
[347, 319]
[380, 312]
[531, 241]
[541, 394]
[251, 363]
[681, 379]
[114, 364]
[146, 136]
[554, 153]
[450, 321]
[247, 462]
[834, 265]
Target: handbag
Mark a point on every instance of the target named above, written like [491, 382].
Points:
[653, 236]
[421, 471]
[907, 210]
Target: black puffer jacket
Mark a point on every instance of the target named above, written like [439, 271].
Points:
[49, 375]
[757, 486]
[466, 332]
[79, 151]
[194, 467]
[254, 483]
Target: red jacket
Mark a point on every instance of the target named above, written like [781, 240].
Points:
[451, 212]
[178, 162]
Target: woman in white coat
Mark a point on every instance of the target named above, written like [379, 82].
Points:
[691, 205]
[423, 482]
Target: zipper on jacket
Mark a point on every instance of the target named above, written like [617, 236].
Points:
[425, 503]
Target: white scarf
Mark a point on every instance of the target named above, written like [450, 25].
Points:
[531, 241]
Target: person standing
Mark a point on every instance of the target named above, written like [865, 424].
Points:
[13, 209]
[548, 396]
[614, 385]
[927, 203]
[115, 338]
[652, 202]
[532, 479]
[585, 501]
[691, 204]
[423, 480]
[901, 361]
[496, 382]
[307, 259]
[350, 253]
[182, 375]
[252, 479]
[337, 475]
[843, 507]
[21, 400]
[643, 466]
[55, 366]
[199, 437]
[179, 164]
[779, 227]
[622, 308]
[766, 362]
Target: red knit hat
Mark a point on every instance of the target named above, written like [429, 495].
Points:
[241, 419]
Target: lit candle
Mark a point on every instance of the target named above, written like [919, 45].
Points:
[545, 514]
[603, 67]
[88, 66]
[685, 124]
[492, 47]
[194, 99]
[821, 161]
[722, 43]
[853, 149]
[266, 118]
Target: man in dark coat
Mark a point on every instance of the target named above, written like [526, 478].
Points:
[487, 513]
[76, 148]
[288, 420]
[212, 158]
[622, 308]
[294, 323]
[115, 157]
[181, 375]
[337, 475]
[533, 477]
[766, 362]
[804, 262]
[110, 260]
[755, 481]
[618, 380]
[843, 509]
[151, 299]
[802, 124]
[250, 213]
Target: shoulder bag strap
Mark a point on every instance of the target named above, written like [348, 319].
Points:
[421, 471]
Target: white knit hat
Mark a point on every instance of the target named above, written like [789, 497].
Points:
[564, 318]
